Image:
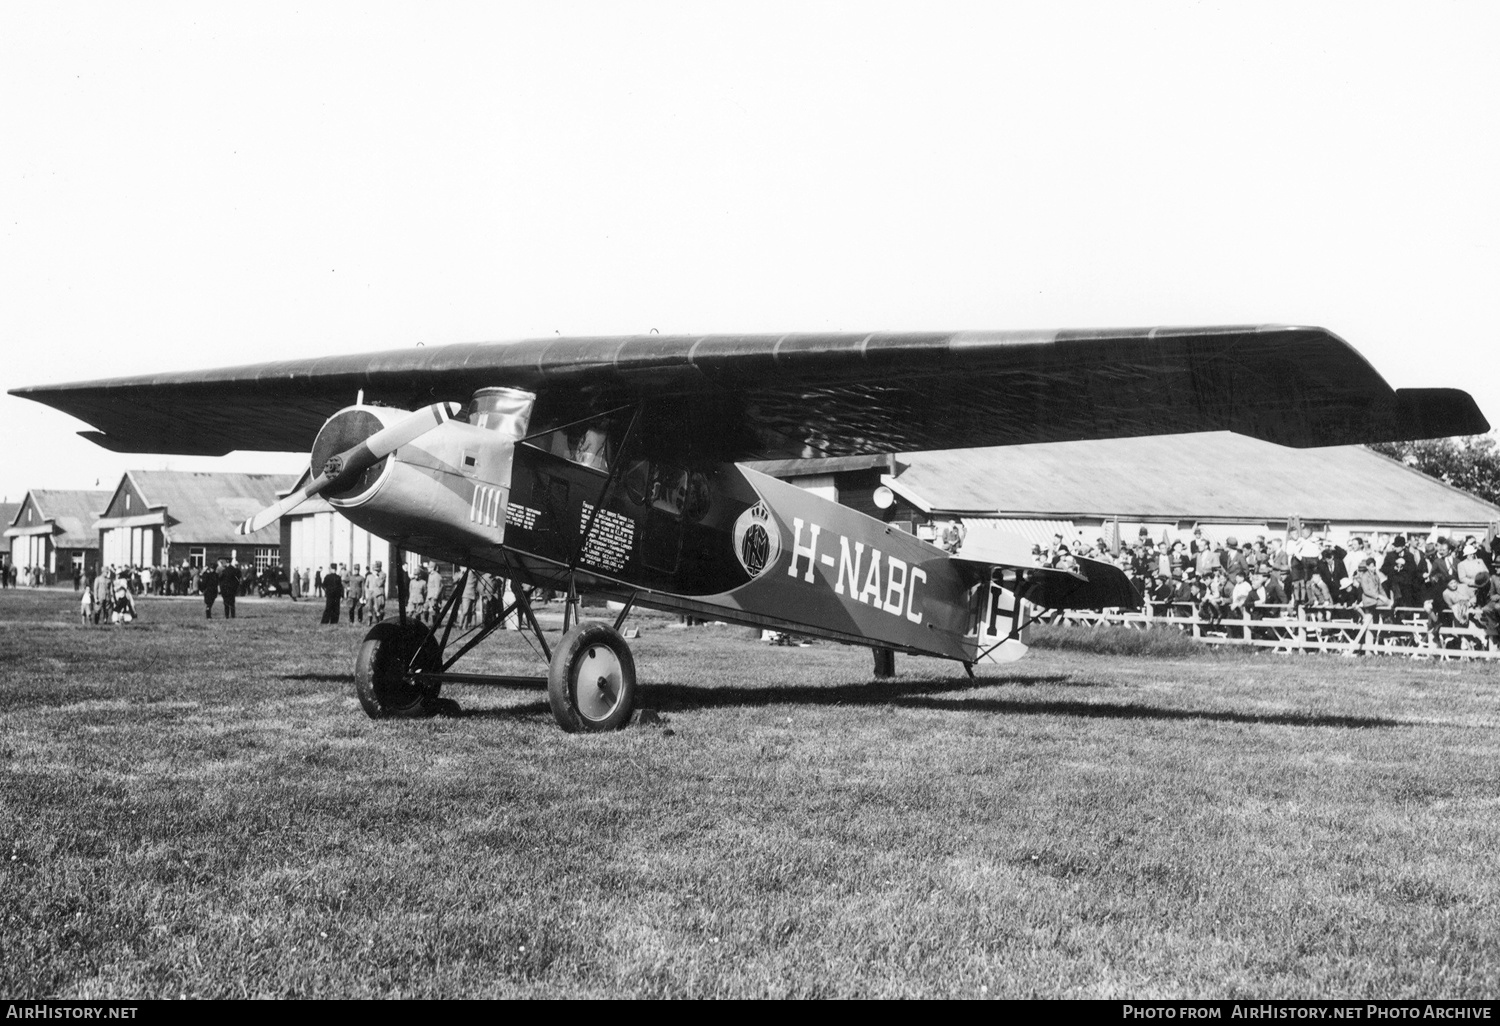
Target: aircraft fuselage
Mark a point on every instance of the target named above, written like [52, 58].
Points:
[720, 541]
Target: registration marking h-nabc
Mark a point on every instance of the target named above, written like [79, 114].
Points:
[898, 597]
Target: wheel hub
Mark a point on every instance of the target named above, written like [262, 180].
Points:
[599, 678]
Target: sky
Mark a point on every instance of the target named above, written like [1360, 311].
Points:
[194, 185]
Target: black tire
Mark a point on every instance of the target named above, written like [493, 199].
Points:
[387, 652]
[591, 683]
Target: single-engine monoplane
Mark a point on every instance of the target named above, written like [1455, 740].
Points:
[615, 466]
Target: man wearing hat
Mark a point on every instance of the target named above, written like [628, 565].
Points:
[375, 592]
[1181, 590]
[354, 595]
[1441, 568]
[1268, 586]
[333, 595]
[1335, 574]
[1401, 574]
[1162, 590]
[1233, 560]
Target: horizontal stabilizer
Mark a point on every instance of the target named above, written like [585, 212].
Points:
[1097, 585]
[1092, 585]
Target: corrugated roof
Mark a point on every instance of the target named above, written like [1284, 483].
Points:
[1212, 475]
[8, 511]
[207, 508]
[74, 512]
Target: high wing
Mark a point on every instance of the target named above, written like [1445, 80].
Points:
[810, 395]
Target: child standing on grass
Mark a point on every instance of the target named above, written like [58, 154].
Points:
[124, 611]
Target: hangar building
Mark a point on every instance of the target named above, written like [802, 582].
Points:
[54, 529]
[156, 517]
[1228, 483]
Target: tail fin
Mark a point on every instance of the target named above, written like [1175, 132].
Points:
[1012, 592]
[1003, 618]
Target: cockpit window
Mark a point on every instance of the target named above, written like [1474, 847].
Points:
[587, 444]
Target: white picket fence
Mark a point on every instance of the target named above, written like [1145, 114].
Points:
[1398, 632]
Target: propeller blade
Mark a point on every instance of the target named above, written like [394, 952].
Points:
[408, 429]
[273, 513]
[357, 459]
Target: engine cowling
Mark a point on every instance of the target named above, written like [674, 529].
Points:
[449, 487]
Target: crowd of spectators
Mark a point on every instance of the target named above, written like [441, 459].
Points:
[1449, 580]
[108, 595]
[360, 594]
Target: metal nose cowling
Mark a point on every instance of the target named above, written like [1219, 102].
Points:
[342, 470]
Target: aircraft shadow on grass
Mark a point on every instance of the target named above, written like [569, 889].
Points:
[1118, 711]
[940, 695]
[670, 697]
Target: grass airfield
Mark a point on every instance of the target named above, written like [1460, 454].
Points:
[199, 808]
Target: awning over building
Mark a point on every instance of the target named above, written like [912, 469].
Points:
[1130, 531]
[154, 519]
[1036, 532]
[43, 528]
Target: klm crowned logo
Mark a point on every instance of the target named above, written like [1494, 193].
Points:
[757, 543]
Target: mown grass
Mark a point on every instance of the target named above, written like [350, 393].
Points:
[201, 808]
[1121, 641]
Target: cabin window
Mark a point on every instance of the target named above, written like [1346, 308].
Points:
[589, 445]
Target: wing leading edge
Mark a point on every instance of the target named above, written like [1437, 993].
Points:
[800, 396]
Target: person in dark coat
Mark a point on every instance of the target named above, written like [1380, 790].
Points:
[208, 584]
[229, 586]
[1402, 576]
[333, 594]
[1336, 575]
[1442, 567]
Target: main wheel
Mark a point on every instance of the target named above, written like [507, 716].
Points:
[388, 652]
[591, 684]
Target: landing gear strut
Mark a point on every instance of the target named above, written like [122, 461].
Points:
[591, 674]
